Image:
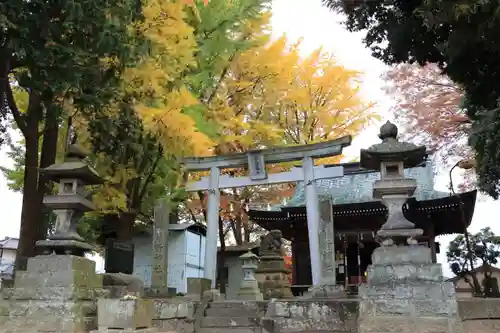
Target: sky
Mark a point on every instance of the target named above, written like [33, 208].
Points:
[317, 27]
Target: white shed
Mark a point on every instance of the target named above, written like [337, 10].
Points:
[186, 254]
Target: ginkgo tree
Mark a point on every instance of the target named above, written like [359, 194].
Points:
[158, 114]
[137, 142]
[272, 96]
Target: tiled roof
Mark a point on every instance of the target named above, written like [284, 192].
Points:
[9, 243]
[356, 187]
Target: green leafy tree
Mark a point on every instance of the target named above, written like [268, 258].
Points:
[462, 38]
[55, 54]
[485, 251]
[139, 169]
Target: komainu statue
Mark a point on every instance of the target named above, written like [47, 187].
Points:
[271, 244]
[272, 274]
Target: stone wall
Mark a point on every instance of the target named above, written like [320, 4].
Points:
[179, 315]
[480, 315]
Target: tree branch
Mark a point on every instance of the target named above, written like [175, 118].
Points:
[11, 103]
[142, 192]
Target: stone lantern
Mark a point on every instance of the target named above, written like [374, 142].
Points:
[70, 202]
[404, 290]
[249, 289]
[391, 157]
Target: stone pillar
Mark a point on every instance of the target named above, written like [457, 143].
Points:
[312, 207]
[210, 269]
[159, 260]
[327, 244]
[328, 286]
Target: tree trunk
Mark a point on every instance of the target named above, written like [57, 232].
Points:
[125, 226]
[120, 228]
[238, 231]
[30, 214]
[47, 158]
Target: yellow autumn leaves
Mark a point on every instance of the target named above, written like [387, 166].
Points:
[276, 97]
[268, 95]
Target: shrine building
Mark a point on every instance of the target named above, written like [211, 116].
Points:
[356, 216]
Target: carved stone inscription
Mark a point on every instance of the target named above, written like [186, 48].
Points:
[159, 267]
[327, 244]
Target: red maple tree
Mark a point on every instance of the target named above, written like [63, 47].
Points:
[428, 109]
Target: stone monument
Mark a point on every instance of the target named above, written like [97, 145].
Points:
[405, 291]
[57, 292]
[272, 274]
[249, 289]
[159, 275]
[328, 287]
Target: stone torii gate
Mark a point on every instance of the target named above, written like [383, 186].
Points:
[256, 161]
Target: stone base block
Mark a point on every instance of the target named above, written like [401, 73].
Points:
[173, 309]
[119, 285]
[274, 284]
[249, 295]
[66, 293]
[397, 324]
[389, 255]
[311, 316]
[125, 314]
[408, 307]
[415, 291]
[482, 326]
[197, 286]
[212, 295]
[59, 324]
[175, 325]
[326, 291]
[48, 308]
[249, 290]
[391, 273]
[58, 271]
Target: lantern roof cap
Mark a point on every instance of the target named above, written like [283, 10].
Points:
[73, 167]
[392, 150]
[248, 255]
